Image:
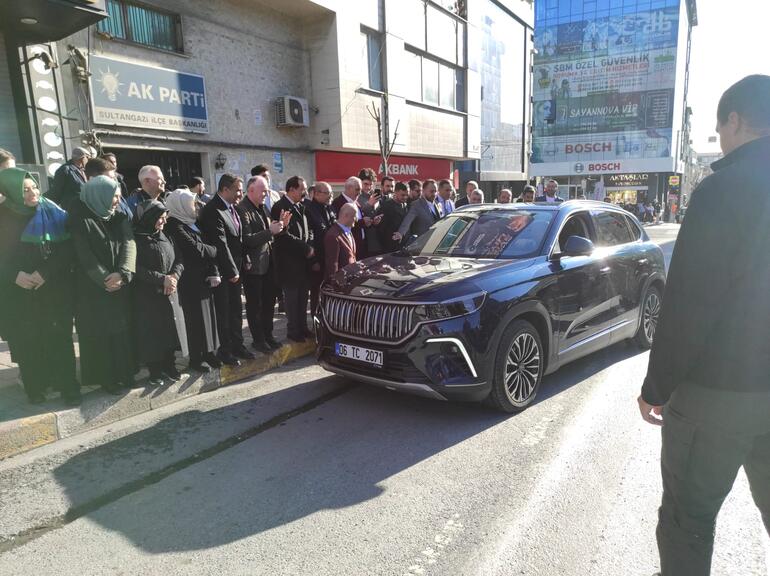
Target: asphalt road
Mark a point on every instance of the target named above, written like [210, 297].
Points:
[363, 481]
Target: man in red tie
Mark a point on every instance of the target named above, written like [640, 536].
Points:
[339, 245]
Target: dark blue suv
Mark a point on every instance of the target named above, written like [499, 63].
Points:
[492, 298]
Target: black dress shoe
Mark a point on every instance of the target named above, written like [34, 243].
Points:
[171, 373]
[155, 380]
[262, 347]
[212, 360]
[36, 398]
[243, 353]
[273, 343]
[201, 367]
[229, 360]
[72, 398]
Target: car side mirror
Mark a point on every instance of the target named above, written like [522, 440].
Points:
[578, 246]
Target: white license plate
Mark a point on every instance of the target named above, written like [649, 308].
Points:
[357, 353]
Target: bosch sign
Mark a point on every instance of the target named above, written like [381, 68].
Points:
[588, 147]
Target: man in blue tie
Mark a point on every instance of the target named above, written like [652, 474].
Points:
[444, 199]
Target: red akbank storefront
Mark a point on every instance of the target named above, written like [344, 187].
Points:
[336, 167]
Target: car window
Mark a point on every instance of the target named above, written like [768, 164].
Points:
[576, 225]
[636, 232]
[611, 228]
[494, 233]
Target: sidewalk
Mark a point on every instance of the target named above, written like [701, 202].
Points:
[24, 426]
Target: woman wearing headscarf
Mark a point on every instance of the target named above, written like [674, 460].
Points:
[105, 264]
[158, 319]
[199, 277]
[36, 288]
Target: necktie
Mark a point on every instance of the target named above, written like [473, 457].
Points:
[236, 220]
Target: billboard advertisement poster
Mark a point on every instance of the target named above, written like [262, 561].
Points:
[128, 94]
[604, 87]
[632, 72]
[603, 113]
[603, 147]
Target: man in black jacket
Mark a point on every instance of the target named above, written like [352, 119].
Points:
[293, 253]
[221, 226]
[69, 177]
[393, 212]
[259, 273]
[708, 380]
[320, 217]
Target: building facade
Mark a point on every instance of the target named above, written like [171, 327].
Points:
[610, 97]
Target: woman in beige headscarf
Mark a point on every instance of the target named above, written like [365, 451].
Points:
[199, 277]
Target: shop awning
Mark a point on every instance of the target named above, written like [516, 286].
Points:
[28, 21]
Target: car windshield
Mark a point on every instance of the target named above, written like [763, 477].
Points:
[494, 233]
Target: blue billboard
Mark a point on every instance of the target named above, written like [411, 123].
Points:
[128, 94]
[604, 82]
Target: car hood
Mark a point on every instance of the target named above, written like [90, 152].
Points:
[427, 278]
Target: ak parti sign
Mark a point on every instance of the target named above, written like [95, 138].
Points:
[336, 167]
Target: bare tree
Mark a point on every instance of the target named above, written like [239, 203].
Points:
[383, 131]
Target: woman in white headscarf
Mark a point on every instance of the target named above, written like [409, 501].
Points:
[200, 276]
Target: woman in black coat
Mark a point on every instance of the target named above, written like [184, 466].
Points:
[36, 288]
[158, 319]
[199, 277]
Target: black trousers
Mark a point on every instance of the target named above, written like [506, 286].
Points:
[261, 293]
[227, 301]
[295, 304]
[707, 436]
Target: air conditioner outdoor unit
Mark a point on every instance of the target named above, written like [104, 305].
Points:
[291, 111]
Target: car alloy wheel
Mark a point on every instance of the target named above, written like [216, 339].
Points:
[519, 366]
[648, 324]
[522, 368]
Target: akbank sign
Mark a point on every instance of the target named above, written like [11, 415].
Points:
[126, 94]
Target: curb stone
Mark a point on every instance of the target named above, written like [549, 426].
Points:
[97, 410]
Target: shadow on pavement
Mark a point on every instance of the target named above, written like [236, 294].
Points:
[339, 454]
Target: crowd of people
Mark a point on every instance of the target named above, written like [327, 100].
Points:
[147, 275]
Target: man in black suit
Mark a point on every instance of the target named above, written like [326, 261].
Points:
[393, 212]
[221, 226]
[551, 196]
[422, 213]
[69, 178]
[259, 272]
[293, 255]
[470, 186]
[320, 217]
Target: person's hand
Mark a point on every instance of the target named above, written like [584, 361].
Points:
[316, 267]
[214, 281]
[2, 197]
[113, 282]
[276, 227]
[169, 285]
[377, 220]
[234, 279]
[311, 254]
[367, 221]
[24, 280]
[373, 199]
[397, 236]
[651, 414]
[285, 217]
[37, 279]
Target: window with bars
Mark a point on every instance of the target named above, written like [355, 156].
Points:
[140, 24]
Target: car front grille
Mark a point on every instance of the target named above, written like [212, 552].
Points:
[372, 320]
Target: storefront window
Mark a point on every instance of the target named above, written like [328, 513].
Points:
[504, 77]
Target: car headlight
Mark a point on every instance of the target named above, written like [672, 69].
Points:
[451, 308]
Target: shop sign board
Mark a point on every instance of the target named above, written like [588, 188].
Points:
[129, 94]
[339, 166]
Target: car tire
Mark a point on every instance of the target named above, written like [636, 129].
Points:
[519, 366]
[649, 315]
